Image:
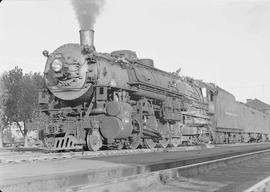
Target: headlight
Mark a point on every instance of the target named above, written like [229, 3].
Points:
[57, 65]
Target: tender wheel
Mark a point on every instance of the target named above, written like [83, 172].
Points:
[93, 140]
[164, 143]
[149, 143]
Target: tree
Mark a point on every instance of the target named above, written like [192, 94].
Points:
[22, 100]
[2, 99]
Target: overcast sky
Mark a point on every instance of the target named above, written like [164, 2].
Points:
[226, 42]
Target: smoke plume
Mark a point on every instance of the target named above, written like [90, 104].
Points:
[87, 12]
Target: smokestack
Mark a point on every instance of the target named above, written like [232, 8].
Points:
[87, 37]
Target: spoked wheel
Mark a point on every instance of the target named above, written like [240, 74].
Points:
[175, 142]
[120, 146]
[135, 141]
[49, 142]
[149, 143]
[93, 140]
[164, 143]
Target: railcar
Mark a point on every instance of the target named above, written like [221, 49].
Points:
[98, 100]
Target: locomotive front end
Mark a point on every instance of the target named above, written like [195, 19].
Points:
[71, 69]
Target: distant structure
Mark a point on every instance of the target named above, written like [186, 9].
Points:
[259, 105]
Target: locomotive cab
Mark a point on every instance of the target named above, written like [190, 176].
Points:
[208, 96]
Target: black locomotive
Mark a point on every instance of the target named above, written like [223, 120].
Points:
[95, 100]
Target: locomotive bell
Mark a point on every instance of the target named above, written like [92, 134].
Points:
[87, 38]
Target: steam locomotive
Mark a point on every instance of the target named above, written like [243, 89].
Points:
[98, 100]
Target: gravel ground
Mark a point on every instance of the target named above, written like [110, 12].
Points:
[230, 178]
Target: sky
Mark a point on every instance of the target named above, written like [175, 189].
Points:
[226, 42]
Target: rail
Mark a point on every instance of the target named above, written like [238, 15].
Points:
[20, 157]
[144, 180]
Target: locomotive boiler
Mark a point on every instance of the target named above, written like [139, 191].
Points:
[115, 100]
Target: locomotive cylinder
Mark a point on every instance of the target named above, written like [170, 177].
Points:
[87, 37]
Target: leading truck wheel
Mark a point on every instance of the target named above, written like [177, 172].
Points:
[93, 140]
[164, 143]
[149, 143]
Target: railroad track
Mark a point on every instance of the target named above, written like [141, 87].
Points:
[27, 156]
[116, 173]
[143, 181]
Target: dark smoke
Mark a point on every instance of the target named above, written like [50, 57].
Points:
[87, 12]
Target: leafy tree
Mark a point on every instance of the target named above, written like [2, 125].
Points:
[2, 99]
[22, 96]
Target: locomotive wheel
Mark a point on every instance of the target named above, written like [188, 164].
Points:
[93, 140]
[134, 145]
[49, 142]
[120, 146]
[164, 143]
[149, 143]
[175, 142]
[135, 142]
